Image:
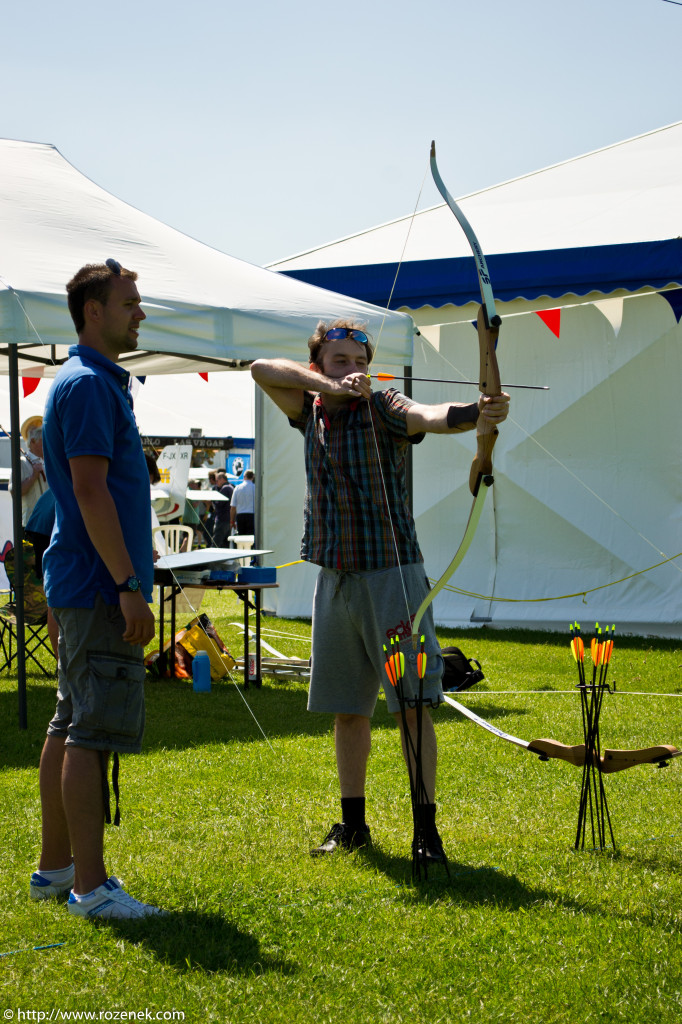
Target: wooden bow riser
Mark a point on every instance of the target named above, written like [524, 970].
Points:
[489, 384]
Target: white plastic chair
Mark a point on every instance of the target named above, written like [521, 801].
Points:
[168, 540]
[243, 541]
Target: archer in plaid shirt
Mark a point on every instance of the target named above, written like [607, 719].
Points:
[350, 458]
[360, 531]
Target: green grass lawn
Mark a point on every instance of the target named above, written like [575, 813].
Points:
[217, 824]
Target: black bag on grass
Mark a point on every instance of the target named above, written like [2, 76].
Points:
[460, 672]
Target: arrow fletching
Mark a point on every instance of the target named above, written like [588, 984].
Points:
[421, 661]
[395, 665]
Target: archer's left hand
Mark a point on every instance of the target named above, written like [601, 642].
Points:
[494, 409]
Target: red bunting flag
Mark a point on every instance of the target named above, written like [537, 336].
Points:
[29, 384]
[204, 376]
[551, 318]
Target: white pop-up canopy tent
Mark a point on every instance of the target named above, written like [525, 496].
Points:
[201, 304]
[205, 310]
[586, 264]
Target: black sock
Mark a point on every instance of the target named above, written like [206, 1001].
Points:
[353, 812]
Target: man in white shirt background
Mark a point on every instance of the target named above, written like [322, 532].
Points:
[243, 507]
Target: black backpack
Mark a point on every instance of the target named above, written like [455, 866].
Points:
[460, 672]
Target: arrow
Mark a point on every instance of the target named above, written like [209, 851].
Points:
[439, 380]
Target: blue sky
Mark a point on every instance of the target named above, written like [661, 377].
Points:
[267, 129]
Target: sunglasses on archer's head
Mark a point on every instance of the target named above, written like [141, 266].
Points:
[114, 266]
[339, 333]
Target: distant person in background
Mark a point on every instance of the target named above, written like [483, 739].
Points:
[222, 513]
[152, 469]
[33, 482]
[38, 531]
[243, 505]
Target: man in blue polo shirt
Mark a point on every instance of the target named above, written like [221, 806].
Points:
[98, 573]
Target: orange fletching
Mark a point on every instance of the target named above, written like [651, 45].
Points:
[578, 648]
[395, 667]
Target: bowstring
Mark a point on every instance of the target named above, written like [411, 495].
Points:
[371, 410]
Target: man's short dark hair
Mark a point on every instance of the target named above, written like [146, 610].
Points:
[317, 339]
[152, 469]
[92, 281]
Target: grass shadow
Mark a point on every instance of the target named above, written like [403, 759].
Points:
[189, 941]
[466, 884]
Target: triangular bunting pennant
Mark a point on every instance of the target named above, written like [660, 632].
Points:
[612, 309]
[30, 379]
[551, 318]
[204, 376]
[674, 297]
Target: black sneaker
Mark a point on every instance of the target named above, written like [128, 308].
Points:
[343, 836]
[432, 851]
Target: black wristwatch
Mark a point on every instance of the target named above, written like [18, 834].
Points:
[132, 585]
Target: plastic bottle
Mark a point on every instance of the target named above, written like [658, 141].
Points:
[201, 672]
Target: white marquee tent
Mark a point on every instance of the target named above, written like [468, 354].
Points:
[205, 310]
[586, 263]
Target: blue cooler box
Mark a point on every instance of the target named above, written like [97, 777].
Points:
[257, 574]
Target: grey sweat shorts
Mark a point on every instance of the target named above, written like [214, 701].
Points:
[100, 698]
[354, 615]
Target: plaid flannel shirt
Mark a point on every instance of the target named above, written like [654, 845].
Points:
[346, 519]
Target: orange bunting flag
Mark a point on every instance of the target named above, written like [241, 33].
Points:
[551, 318]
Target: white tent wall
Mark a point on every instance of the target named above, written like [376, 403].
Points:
[281, 483]
[587, 487]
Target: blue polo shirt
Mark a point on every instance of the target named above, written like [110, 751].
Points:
[89, 411]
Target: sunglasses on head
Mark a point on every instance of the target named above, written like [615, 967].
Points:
[114, 266]
[339, 333]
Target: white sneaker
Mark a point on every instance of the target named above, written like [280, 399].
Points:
[109, 901]
[43, 888]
